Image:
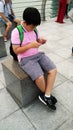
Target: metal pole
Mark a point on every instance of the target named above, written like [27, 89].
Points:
[43, 9]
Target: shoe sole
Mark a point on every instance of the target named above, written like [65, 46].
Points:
[42, 100]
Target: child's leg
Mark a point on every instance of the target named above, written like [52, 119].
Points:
[66, 12]
[59, 9]
[16, 20]
[62, 13]
[9, 24]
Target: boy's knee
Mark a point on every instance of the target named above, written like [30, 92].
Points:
[53, 71]
[39, 78]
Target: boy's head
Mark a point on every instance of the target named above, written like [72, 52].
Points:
[31, 16]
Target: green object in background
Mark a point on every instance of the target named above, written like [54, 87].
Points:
[54, 8]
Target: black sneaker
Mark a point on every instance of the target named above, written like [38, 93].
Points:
[54, 100]
[47, 101]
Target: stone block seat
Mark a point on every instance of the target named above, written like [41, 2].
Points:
[2, 28]
[18, 83]
[3, 51]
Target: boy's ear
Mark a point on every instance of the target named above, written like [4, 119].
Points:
[24, 22]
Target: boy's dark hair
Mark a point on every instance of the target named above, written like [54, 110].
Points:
[32, 16]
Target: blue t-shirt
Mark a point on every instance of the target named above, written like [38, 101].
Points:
[5, 8]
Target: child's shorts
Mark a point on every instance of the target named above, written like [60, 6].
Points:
[35, 65]
[10, 17]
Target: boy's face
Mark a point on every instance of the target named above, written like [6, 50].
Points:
[30, 27]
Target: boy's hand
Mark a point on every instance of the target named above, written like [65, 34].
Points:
[34, 44]
[42, 41]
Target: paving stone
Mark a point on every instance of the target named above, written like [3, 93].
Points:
[16, 121]
[68, 125]
[55, 58]
[66, 42]
[43, 118]
[2, 79]
[64, 94]
[64, 52]
[0, 67]
[71, 79]
[7, 104]
[1, 85]
[59, 79]
[1, 60]
[66, 69]
[71, 58]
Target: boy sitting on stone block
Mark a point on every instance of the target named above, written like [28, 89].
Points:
[33, 62]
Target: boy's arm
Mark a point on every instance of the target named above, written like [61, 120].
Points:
[20, 49]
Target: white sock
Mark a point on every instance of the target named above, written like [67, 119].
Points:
[47, 96]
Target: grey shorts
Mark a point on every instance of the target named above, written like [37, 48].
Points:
[35, 65]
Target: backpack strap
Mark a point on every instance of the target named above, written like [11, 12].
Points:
[21, 33]
[36, 32]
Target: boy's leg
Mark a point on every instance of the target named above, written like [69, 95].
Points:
[50, 81]
[46, 97]
[34, 69]
[40, 82]
[46, 87]
[48, 66]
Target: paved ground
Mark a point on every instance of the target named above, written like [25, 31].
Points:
[37, 116]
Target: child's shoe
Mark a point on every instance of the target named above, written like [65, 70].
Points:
[5, 39]
[54, 100]
[47, 101]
